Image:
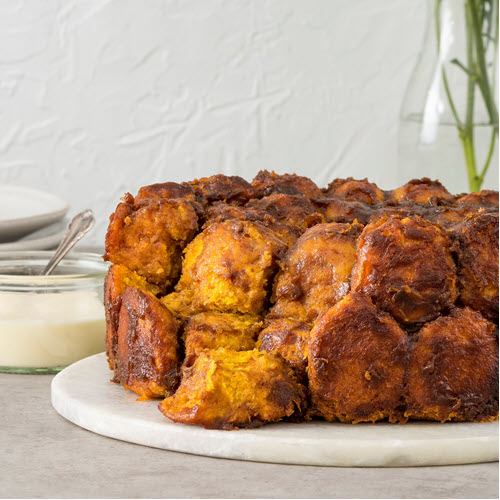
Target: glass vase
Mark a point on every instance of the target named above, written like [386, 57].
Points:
[448, 128]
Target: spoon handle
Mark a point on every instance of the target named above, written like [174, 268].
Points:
[78, 227]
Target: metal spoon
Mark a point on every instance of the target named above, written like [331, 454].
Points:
[78, 227]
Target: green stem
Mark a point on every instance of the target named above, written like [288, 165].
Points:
[495, 46]
[482, 81]
[470, 162]
[466, 134]
[488, 157]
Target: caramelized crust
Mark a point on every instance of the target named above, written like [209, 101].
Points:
[287, 338]
[453, 369]
[421, 191]
[478, 263]
[231, 189]
[166, 191]
[149, 238]
[220, 212]
[357, 362]
[266, 183]
[292, 210]
[147, 354]
[393, 209]
[485, 198]
[447, 216]
[355, 190]
[211, 330]
[338, 210]
[230, 266]
[407, 267]
[316, 271]
[118, 279]
[226, 389]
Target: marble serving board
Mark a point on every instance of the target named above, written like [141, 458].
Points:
[83, 394]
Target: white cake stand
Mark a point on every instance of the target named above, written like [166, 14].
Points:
[83, 394]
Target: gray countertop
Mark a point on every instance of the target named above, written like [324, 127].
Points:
[44, 456]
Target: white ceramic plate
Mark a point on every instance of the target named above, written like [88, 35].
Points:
[84, 395]
[24, 210]
[46, 238]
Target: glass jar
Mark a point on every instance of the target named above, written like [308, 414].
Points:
[49, 322]
[448, 127]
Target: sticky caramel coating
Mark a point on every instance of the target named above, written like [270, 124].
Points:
[453, 369]
[230, 267]
[478, 263]
[166, 191]
[446, 216]
[147, 355]
[220, 212]
[287, 338]
[357, 362]
[316, 271]
[485, 198]
[406, 266]
[338, 210]
[118, 279]
[149, 238]
[211, 330]
[226, 389]
[292, 210]
[421, 191]
[392, 208]
[266, 183]
[231, 189]
[355, 190]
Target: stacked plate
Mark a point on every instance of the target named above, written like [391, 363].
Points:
[30, 219]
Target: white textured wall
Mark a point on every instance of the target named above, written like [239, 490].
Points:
[100, 97]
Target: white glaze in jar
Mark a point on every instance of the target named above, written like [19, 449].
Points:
[48, 322]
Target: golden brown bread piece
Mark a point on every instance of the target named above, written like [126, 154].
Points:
[447, 215]
[287, 338]
[230, 266]
[421, 191]
[211, 330]
[339, 210]
[355, 190]
[180, 304]
[316, 271]
[485, 198]
[149, 238]
[453, 369]
[147, 354]
[227, 389]
[406, 266]
[292, 210]
[266, 183]
[478, 263]
[401, 210]
[169, 191]
[118, 279]
[231, 189]
[220, 212]
[357, 362]
[166, 191]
